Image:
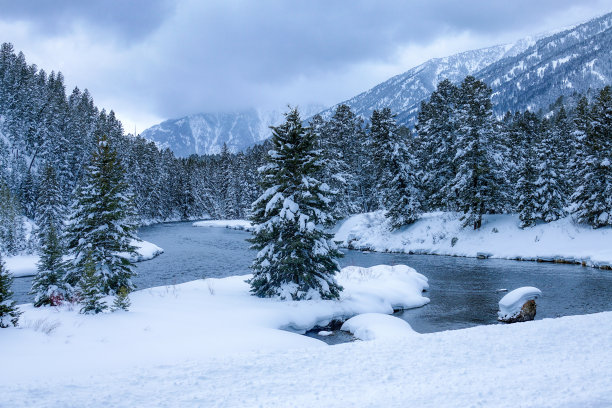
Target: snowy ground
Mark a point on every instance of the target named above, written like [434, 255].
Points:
[499, 237]
[233, 224]
[208, 343]
[25, 265]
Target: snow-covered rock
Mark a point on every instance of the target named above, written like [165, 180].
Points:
[518, 305]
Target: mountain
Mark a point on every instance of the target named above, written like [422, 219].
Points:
[403, 93]
[574, 60]
[205, 133]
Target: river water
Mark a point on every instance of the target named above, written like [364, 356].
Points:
[464, 292]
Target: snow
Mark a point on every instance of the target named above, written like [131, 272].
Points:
[208, 343]
[25, 265]
[512, 303]
[499, 237]
[370, 326]
[21, 265]
[232, 224]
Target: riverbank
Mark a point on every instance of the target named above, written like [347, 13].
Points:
[25, 265]
[441, 233]
[209, 343]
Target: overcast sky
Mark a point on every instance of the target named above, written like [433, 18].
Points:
[151, 60]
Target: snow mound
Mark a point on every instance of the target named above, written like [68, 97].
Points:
[243, 225]
[145, 251]
[512, 303]
[370, 326]
[397, 286]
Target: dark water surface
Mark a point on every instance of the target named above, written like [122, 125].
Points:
[463, 291]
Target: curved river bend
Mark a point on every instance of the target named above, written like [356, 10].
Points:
[463, 291]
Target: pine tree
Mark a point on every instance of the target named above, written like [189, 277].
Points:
[437, 125]
[90, 287]
[101, 223]
[593, 196]
[122, 300]
[549, 200]
[12, 235]
[528, 126]
[9, 314]
[296, 259]
[48, 285]
[478, 179]
[397, 179]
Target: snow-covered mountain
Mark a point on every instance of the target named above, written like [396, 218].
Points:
[205, 133]
[570, 61]
[403, 93]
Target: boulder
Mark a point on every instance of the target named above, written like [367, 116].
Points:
[519, 305]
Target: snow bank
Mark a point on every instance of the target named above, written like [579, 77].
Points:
[25, 265]
[232, 224]
[511, 304]
[22, 265]
[370, 326]
[145, 251]
[499, 237]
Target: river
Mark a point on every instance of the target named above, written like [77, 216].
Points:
[464, 291]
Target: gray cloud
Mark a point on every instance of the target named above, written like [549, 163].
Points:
[127, 19]
[191, 56]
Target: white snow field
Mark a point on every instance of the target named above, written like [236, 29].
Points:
[232, 224]
[499, 237]
[208, 343]
[25, 265]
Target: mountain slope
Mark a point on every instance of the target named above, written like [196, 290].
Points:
[404, 93]
[571, 61]
[205, 133]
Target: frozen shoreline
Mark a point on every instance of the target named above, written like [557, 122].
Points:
[440, 233]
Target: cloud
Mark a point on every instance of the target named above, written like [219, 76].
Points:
[161, 59]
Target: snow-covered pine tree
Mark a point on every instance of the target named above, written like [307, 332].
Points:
[592, 199]
[339, 141]
[12, 235]
[101, 223]
[549, 200]
[48, 285]
[478, 178]
[398, 184]
[296, 258]
[9, 314]
[436, 132]
[90, 287]
[122, 300]
[527, 127]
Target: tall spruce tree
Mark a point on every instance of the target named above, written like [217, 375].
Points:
[398, 184]
[101, 223]
[9, 314]
[593, 196]
[549, 190]
[478, 177]
[527, 141]
[296, 258]
[437, 125]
